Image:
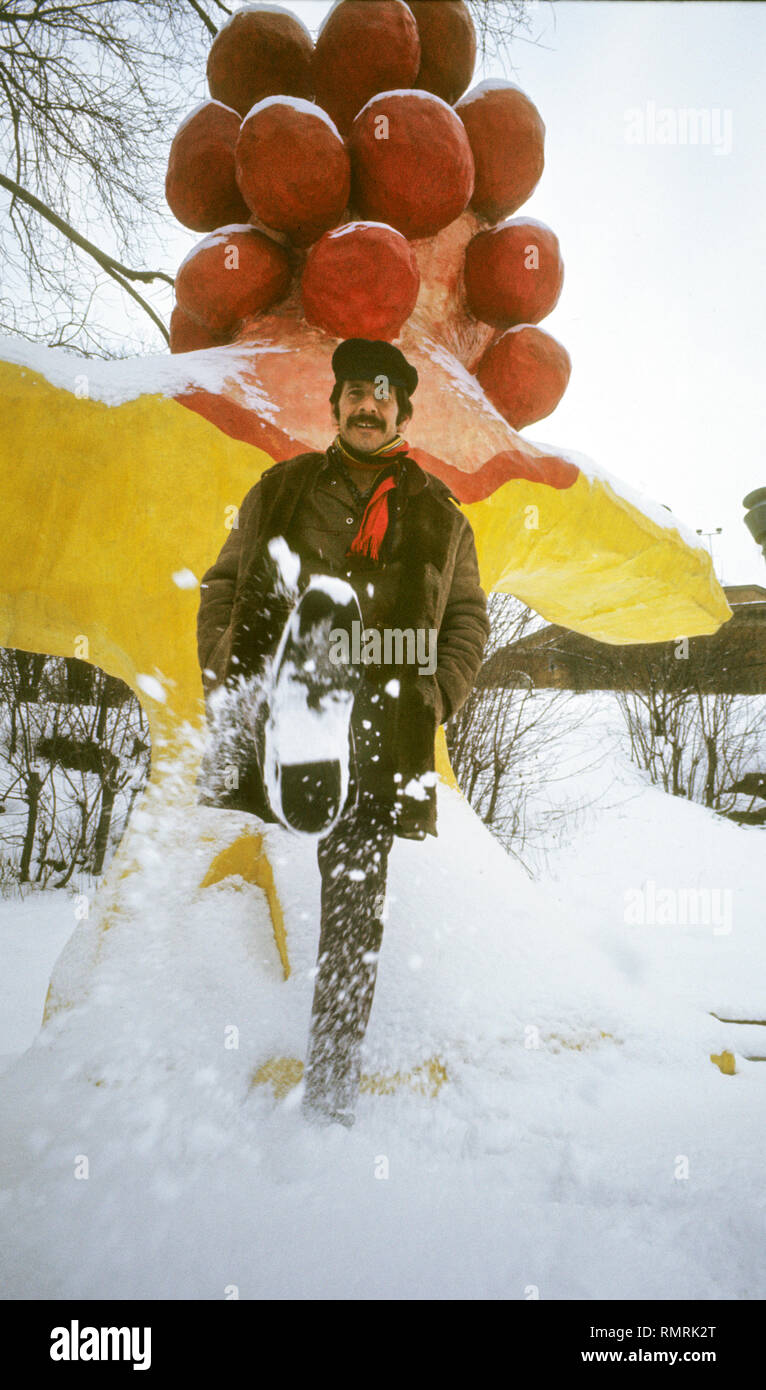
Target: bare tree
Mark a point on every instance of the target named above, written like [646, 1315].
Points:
[26, 776]
[695, 737]
[499, 24]
[76, 768]
[504, 746]
[91, 93]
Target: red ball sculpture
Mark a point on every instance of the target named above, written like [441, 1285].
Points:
[293, 168]
[364, 47]
[261, 51]
[360, 280]
[188, 336]
[513, 273]
[233, 274]
[200, 185]
[447, 47]
[507, 138]
[525, 373]
[411, 163]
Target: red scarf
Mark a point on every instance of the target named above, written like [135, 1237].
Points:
[370, 536]
[374, 524]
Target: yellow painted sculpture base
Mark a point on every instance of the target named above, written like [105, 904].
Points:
[725, 1062]
[283, 1073]
[247, 858]
[112, 514]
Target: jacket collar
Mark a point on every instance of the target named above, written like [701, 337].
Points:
[413, 478]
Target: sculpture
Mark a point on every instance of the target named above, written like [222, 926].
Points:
[392, 201]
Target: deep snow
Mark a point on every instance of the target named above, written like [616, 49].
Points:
[583, 1143]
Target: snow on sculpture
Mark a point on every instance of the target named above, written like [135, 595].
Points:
[524, 373]
[174, 446]
[262, 51]
[360, 281]
[362, 50]
[292, 168]
[447, 48]
[217, 299]
[411, 161]
[513, 273]
[200, 185]
[499, 117]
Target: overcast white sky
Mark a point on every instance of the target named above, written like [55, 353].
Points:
[664, 302]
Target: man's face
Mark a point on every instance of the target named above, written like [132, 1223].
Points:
[367, 414]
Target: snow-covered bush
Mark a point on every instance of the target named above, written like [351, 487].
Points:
[74, 754]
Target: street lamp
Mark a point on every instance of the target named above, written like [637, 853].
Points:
[710, 535]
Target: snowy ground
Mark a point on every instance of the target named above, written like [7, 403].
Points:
[33, 930]
[583, 1145]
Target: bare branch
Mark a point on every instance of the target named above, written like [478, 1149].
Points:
[209, 25]
[118, 272]
[92, 91]
[106, 261]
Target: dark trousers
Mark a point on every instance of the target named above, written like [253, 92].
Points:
[353, 863]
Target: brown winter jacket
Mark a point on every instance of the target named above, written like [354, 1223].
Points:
[241, 615]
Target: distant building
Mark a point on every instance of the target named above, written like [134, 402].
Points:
[732, 661]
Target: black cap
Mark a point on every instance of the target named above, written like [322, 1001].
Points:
[364, 359]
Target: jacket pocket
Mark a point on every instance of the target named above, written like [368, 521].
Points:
[432, 697]
[433, 595]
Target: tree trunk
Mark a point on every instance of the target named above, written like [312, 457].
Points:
[79, 679]
[30, 668]
[34, 783]
[677, 755]
[102, 829]
[712, 768]
[77, 851]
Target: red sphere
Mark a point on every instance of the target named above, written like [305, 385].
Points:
[292, 168]
[259, 52]
[200, 185]
[188, 336]
[525, 373]
[364, 47]
[513, 273]
[507, 137]
[411, 163]
[360, 281]
[447, 47]
[233, 274]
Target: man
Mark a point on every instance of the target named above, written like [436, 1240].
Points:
[365, 514]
